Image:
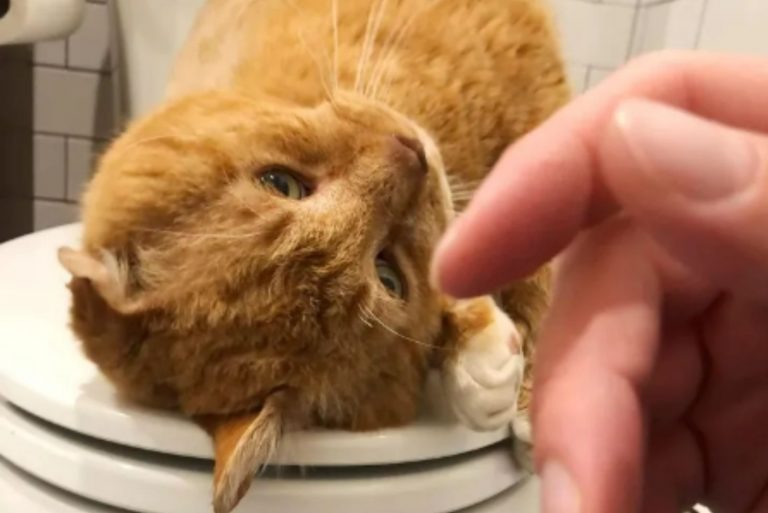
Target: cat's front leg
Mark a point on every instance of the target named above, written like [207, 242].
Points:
[483, 377]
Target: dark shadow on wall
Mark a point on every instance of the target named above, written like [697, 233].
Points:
[16, 150]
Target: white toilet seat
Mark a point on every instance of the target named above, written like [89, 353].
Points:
[81, 438]
[156, 483]
[23, 493]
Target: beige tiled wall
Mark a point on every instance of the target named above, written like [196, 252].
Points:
[55, 110]
[600, 35]
[56, 97]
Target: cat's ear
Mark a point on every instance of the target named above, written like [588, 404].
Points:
[104, 274]
[242, 445]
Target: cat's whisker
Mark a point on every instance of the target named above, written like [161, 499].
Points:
[465, 193]
[462, 194]
[378, 78]
[385, 51]
[318, 65]
[457, 189]
[361, 58]
[364, 319]
[461, 181]
[313, 55]
[372, 32]
[462, 202]
[458, 186]
[335, 22]
[391, 330]
[464, 186]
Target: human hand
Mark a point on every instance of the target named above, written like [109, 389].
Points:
[651, 387]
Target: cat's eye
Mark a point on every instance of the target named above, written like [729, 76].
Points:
[283, 181]
[390, 278]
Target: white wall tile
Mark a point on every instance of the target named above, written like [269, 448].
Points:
[49, 170]
[596, 75]
[668, 25]
[684, 23]
[47, 214]
[577, 76]
[736, 26]
[72, 103]
[53, 53]
[597, 34]
[89, 46]
[81, 158]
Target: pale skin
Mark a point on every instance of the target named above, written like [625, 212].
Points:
[651, 386]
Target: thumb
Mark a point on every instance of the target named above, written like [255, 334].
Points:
[700, 189]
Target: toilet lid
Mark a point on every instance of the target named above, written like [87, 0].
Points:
[21, 492]
[153, 483]
[43, 371]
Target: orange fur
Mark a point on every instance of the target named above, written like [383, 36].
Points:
[235, 292]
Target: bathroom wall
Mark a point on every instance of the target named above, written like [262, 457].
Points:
[55, 112]
[600, 35]
[56, 97]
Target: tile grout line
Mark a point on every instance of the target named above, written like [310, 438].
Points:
[66, 167]
[633, 32]
[702, 17]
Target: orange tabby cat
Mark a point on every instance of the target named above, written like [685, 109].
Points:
[256, 251]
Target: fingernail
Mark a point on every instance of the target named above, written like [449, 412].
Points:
[697, 158]
[558, 490]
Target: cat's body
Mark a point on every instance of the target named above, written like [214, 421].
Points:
[257, 250]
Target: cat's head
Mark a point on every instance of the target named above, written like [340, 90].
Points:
[236, 247]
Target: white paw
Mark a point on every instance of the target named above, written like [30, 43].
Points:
[484, 382]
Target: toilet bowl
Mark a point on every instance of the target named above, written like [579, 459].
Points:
[69, 444]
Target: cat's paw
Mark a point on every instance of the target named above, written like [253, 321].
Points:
[484, 381]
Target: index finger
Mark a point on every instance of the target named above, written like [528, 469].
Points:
[548, 186]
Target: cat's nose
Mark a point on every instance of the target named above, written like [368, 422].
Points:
[413, 150]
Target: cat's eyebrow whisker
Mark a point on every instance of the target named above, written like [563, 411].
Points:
[371, 316]
[335, 22]
[145, 141]
[313, 55]
[384, 53]
[359, 72]
[319, 66]
[371, 32]
[381, 68]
